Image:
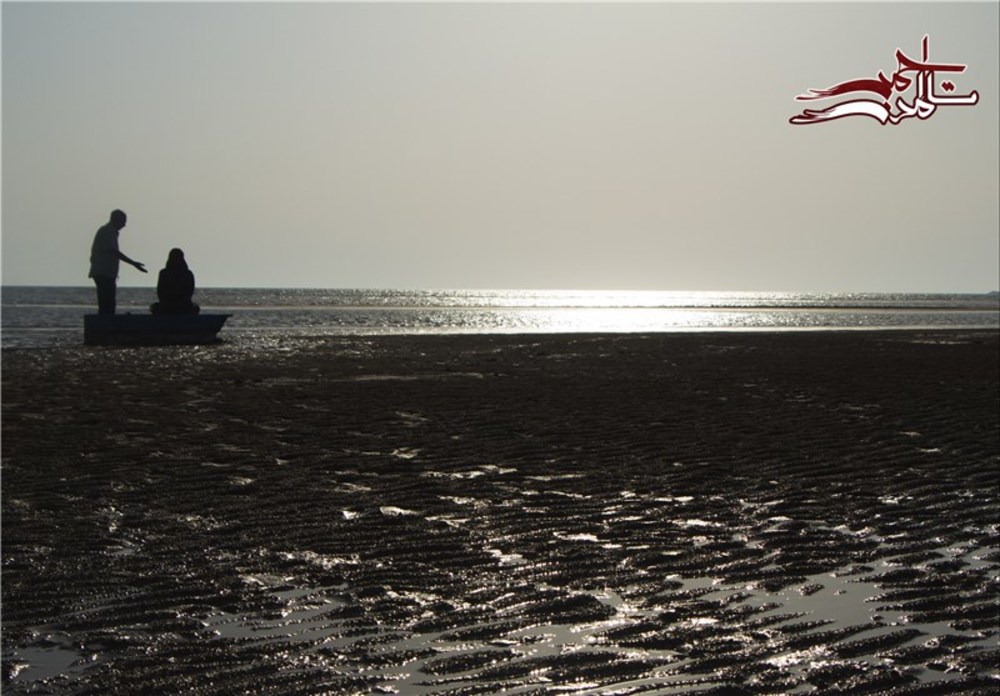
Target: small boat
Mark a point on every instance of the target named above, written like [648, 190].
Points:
[151, 329]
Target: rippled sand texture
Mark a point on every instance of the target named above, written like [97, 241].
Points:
[728, 514]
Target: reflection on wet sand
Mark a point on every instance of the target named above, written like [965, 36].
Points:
[807, 513]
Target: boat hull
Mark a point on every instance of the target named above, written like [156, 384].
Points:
[151, 330]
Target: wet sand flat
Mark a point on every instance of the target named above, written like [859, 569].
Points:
[729, 513]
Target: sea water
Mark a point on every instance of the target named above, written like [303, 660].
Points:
[52, 316]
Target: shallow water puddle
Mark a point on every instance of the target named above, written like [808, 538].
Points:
[36, 663]
[301, 620]
[828, 602]
[408, 656]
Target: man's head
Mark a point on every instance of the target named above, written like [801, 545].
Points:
[118, 218]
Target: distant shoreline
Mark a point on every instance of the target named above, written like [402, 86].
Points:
[271, 315]
[147, 286]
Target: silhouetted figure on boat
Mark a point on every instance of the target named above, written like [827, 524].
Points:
[175, 287]
[104, 258]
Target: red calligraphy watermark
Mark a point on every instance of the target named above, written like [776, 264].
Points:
[920, 75]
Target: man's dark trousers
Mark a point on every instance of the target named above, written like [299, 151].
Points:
[105, 294]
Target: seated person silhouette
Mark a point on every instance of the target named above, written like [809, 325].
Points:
[175, 287]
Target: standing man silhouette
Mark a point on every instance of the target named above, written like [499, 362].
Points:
[104, 258]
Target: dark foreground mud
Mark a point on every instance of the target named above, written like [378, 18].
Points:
[723, 514]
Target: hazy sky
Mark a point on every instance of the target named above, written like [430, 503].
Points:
[485, 145]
